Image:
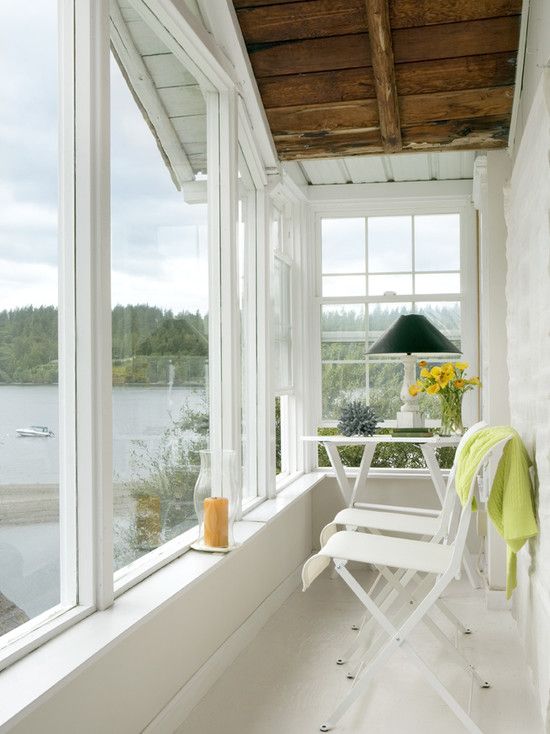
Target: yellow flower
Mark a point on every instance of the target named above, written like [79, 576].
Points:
[424, 372]
[414, 390]
[448, 369]
[436, 371]
[433, 389]
[422, 363]
[473, 381]
[462, 365]
[443, 381]
[459, 384]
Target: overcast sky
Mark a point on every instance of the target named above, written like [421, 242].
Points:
[159, 241]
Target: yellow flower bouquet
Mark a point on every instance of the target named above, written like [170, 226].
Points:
[449, 382]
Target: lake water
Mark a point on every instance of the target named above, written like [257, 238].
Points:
[139, 414]
[29, 548]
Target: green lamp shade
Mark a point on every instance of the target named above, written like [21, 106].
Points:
[413, 334]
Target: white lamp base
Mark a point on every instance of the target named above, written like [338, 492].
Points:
[409, 416]
[408, 419]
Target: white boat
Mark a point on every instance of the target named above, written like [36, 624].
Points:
[31, 431]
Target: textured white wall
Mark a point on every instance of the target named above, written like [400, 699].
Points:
[528, 324]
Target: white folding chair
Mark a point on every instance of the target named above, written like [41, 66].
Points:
[397, 621]
[434, 528]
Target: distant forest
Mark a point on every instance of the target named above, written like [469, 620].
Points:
[150, 346]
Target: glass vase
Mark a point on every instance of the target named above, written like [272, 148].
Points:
[218, 478]
[451, 414]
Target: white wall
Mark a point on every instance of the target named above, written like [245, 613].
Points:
[528, 298]
[122, 690]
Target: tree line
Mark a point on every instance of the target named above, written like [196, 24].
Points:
[149, 345]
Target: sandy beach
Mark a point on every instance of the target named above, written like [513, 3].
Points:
[24, 504]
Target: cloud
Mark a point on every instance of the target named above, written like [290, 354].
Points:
[159, 242]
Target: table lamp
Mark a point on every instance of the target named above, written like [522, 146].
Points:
[412, 335]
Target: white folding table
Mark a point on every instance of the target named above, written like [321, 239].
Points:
[427, 444]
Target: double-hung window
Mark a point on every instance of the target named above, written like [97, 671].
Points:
[375, 267]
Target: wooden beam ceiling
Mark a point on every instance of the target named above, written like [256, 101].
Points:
[381, 50]
[344, 77]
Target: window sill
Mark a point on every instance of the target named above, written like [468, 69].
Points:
[382, 473]
[31, 679]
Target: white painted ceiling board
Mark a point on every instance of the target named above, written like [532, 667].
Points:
[442, 166]
[411, 167]
[166, 71]
[191, 128]
[366, 169]
[147, 42]
[325, 171]
[182, 101]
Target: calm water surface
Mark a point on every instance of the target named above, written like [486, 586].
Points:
[29, 552]
[139, 414]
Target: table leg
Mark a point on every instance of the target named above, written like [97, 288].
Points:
[440, 487]
[336, 461]
[364, 467]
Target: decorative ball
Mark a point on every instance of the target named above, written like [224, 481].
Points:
[357, 419]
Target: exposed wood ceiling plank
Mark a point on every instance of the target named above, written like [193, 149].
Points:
[313, 19]
[334, 116]
[424, 77]
[447, 41]
[442, 106]
[456, 105]
[318, 18]
[489, 132]
[148, 100]
[380, 37]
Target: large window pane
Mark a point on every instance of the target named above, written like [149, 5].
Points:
[425, 283]
[340, 286]
[437, 242]
[343, 332]
[385, 380]
[29, 445]
[445, 315]
[343, 245]
[392, 285]
[390, 244]
[342, 382]
[282, 337]
[160, 299]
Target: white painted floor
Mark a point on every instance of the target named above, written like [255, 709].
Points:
[287, 682]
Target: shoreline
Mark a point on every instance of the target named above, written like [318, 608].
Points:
[29, 504]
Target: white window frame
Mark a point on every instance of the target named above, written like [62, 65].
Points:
[86, 510]
[253, 410]
[452, 198]
[294, 208]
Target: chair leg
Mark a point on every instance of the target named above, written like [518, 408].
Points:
[435, 630]
[397, 638]
[444, 609]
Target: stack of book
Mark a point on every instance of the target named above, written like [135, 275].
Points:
[412, 432]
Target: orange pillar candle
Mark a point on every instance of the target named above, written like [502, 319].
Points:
[216, 522]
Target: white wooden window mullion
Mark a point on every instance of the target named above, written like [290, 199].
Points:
[93, 304]
[214, 270]
[229, 281]
[67, 327]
